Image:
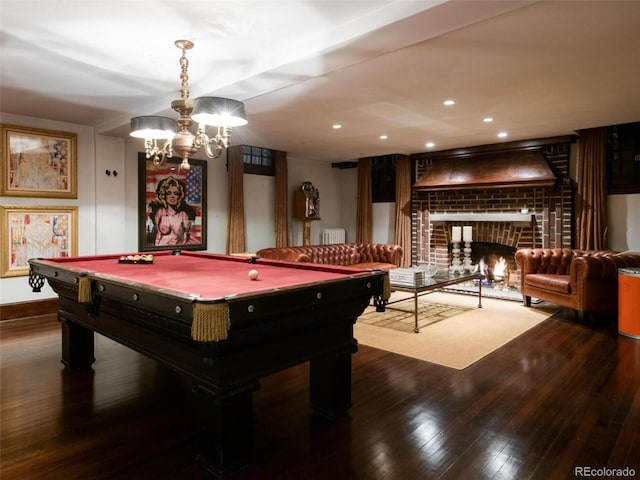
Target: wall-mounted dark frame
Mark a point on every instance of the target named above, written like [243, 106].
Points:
[186, 230]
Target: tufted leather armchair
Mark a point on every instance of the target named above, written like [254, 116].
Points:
[583, 280]
[362, 255]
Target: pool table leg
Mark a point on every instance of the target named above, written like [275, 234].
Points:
[77, 345]
[226, 429]
[330, 384]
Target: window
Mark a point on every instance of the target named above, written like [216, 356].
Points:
[258, 160]
[383, 179]
[623, 158]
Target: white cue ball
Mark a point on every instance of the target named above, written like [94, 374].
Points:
[253, 274]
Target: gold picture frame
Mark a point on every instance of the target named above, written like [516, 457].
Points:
[36, 232]
[38, 163]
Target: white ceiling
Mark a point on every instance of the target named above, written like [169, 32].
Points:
[539, 68]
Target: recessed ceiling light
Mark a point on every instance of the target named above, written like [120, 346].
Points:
[383, 137]
[429, 144]
[487, 119]
[337, 126]
[502, 134]
[449, 102]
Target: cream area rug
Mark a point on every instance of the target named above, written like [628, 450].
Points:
[459, 340]
[399, 316]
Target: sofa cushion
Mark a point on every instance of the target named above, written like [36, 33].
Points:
[549, 282]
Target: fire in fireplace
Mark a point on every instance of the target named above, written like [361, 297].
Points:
[497, 262]
[498, 258]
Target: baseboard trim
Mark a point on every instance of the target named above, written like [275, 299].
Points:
[11, 311]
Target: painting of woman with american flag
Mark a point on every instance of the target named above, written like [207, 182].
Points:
[174, 202]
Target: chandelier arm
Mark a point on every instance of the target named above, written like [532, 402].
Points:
[150, 146]
[151, 150]
[211, 153]
[167, 150]
[159, 155]
[201, 138]
[225, 135]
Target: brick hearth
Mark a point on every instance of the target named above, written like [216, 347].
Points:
[547, 223]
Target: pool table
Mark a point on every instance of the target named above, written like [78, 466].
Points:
[202, 315]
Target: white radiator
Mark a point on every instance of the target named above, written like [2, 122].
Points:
[333, 235]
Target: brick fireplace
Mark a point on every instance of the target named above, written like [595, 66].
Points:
[504, 211]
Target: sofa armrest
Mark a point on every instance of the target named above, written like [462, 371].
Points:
[379, 253]
[297, 257]
[394, 254]
[593, 267]
[527, 260]
[601, 265]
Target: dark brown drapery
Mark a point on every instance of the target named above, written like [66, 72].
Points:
[364, 214]
[591, 193]
[236, 240]
[403, 208]
[282, 200]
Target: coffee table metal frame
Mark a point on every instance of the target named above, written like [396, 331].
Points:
[441, 279]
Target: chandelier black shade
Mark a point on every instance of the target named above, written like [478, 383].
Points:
[218, 111]
[153, 127]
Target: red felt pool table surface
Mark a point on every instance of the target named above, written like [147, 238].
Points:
[208, 275]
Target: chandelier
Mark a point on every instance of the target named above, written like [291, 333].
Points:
[223, 113]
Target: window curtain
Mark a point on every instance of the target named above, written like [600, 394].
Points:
[282, 200]
[364, 214]
[591, 193]
[403, 208]
[236, 241]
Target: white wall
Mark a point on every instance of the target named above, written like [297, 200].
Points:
[348, 184]
[384, 222]
[110, 195]
[259, 198]
[16, 289]
[108, 205]
[217, 198]
[259, 195]
[327, 181]
[384, 214]
[624, 222]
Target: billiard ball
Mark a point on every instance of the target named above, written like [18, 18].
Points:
[253, 274]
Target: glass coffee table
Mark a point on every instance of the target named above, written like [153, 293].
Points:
[441, 279]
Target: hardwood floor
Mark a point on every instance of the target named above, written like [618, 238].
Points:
[562, 395]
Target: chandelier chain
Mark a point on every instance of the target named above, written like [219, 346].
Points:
[184, 75]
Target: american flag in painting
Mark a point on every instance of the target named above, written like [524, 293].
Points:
[194, 185]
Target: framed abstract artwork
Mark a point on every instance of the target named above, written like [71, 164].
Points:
[38, 163]
[36, 232]
[172, 205]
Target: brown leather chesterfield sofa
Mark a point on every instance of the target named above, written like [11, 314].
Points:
[361, 255]
[583, 280]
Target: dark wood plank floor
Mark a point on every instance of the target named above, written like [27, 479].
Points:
[561, 396]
